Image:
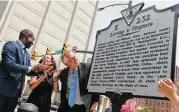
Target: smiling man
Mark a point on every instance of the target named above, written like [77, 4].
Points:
[74, 79]
[14, 66]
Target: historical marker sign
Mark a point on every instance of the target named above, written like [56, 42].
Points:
[133, 58]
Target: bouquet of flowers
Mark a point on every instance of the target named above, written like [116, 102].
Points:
[131, 106]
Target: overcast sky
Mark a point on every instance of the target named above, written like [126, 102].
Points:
[105, 16]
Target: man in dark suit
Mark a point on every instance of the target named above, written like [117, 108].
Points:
[74, 80]
[15, 64]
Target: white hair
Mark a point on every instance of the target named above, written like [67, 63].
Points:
[63, 56]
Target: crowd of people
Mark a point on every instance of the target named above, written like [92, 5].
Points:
[16, 64]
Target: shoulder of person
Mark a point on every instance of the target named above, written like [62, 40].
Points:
[12, 43]
[64, 70]
[85, 65]
[63, 74]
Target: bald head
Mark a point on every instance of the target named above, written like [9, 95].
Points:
[26, 36]
[26, 32]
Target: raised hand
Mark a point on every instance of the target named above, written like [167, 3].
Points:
[56, 74]
[39, 67]
[167, 88]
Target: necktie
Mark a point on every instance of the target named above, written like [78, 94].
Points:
[72, 95]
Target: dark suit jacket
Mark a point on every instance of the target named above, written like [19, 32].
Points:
[83, 73]
[13, 69]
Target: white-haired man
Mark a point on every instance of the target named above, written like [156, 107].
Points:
[74, 79]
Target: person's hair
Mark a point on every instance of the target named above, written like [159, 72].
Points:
[63, 58]
[54, 65]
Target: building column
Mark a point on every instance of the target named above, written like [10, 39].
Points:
[70, 26]
[7, 17]
[91, 28]
[41, 29]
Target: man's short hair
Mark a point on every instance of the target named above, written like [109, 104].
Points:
[63, 58]
[26, 32]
